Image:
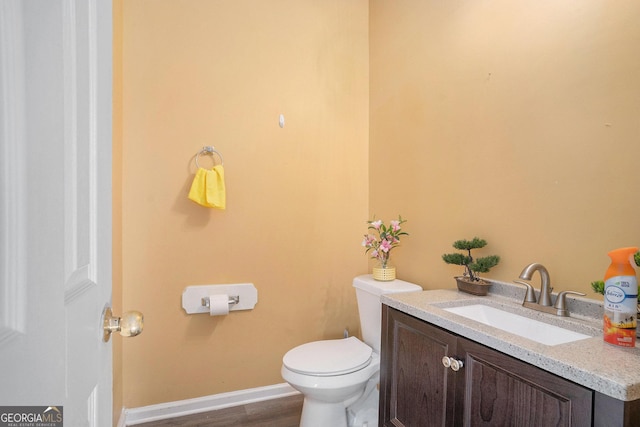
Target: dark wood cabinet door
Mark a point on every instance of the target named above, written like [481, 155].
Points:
[416, 389]
[502, 391]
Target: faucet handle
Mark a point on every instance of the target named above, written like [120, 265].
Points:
[530, 296]
[561, 302]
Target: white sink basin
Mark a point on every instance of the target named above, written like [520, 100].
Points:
[518, 325]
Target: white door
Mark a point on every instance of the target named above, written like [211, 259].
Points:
[55, 206]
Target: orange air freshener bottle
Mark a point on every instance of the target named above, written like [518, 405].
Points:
[620, 299]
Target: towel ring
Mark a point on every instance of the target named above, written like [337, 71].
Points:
[209, 150]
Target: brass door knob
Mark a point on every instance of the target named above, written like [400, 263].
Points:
[129, 325]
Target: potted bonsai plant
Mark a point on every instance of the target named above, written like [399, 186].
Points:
[470, 282]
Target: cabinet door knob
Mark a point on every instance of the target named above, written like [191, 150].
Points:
[453, 363]
[456, 364]
[446, 362]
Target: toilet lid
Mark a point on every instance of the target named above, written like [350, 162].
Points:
[328, 357]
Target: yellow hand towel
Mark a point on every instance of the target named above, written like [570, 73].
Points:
[208, 188]
[216, 196]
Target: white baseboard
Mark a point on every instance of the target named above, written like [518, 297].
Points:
[145, 414]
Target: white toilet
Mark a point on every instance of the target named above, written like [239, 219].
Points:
[339, 378]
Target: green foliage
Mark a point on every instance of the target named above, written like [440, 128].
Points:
[483, 265]
[466, 245]
[457, 259]
[598, 287]
[471, 266]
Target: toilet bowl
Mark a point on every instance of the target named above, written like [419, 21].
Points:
[339, 378]
[331, 375]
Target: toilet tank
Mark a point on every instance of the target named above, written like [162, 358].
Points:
[368, 292]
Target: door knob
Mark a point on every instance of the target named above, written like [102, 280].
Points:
[129, 325]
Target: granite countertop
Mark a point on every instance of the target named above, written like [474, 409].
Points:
[608, 369]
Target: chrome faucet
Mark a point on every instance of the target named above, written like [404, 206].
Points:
[544, 303]
[545, 281]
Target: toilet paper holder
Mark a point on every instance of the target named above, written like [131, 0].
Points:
[233, 300]
[242, 296]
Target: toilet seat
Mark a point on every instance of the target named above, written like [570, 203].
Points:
[328, 357]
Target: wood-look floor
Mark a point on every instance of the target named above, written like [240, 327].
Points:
[282, 412]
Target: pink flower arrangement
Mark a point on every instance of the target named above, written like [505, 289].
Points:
[387, 239]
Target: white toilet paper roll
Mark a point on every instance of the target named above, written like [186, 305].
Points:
[218, 305]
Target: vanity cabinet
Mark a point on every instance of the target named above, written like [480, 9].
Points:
[489, 389]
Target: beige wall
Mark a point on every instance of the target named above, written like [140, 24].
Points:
[517, 122]
[513, 121]
[219, 73]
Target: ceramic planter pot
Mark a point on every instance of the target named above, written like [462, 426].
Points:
[480, 288]
[384, 274]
